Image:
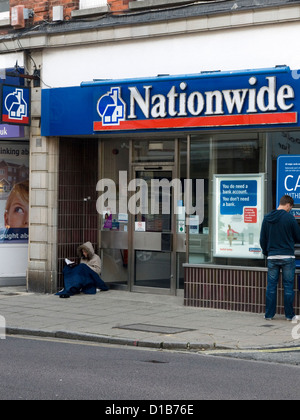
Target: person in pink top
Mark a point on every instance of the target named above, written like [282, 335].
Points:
[230, 234]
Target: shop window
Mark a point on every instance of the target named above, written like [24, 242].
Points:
[115, 164]
[4, 9]
[115, 160]
[154, 151]
[280, 143]
[228, 156]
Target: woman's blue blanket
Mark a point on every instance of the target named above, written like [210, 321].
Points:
[81, 278]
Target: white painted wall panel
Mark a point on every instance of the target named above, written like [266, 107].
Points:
[232, 49]
[88, 4]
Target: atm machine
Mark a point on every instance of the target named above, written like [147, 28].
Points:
[288, 176]
[297, 246]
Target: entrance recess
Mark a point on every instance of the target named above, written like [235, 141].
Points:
[153, 230]
[143, 246]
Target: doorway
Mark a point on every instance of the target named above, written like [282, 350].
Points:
[142, 246]
[153, 229]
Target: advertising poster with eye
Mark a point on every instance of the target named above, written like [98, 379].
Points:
[238, 215]
[14, 192]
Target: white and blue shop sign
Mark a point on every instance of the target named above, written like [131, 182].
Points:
[15, 105]
[266, 98]
[14, 99]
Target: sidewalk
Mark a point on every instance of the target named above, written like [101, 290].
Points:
[136, 319]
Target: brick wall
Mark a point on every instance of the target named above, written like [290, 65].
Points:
[43, 9]
[118, 6]
[231, 288]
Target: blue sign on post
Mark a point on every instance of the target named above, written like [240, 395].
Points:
[15, 105]
[288, 177]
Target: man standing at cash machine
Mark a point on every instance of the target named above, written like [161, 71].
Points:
[279, 234]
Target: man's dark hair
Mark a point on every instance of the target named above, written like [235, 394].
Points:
[286, 199]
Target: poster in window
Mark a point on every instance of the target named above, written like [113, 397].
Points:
[288, 180]
[14, 192]
[238, 215]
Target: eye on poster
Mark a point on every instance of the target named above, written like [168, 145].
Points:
[238, 207]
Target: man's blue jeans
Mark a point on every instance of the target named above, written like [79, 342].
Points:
[288, 267]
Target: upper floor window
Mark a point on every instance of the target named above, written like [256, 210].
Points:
[4, 9]
[89, 4]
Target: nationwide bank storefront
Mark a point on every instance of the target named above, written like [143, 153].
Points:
[170, 177]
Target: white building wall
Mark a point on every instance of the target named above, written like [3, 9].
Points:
[88, 4]
[231, 49]
[9, 60]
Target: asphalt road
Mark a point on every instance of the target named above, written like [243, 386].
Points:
[39, 369]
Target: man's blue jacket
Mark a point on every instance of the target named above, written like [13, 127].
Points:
[279, 234]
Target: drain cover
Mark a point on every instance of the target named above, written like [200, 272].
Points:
[154, 328]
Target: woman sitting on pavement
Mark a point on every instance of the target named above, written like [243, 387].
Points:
[84, 277]
[87, 256]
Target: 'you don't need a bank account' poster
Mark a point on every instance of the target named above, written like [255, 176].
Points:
[238, 215]
[14, 192]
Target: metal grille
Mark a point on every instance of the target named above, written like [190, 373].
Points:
[236, 289]
[159, 329]
[77, 215]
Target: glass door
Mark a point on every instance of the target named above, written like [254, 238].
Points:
[153, 232]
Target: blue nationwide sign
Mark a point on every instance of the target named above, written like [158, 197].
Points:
[15, 100]
[218, 100]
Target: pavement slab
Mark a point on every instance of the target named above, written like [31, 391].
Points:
[168, 324]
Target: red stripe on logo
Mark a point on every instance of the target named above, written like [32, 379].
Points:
[214, 121]
[5, 118]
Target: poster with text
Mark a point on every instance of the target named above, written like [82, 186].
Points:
[288, 180]
[238, 207]
[14, 192]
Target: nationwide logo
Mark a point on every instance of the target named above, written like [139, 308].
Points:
[111, 108]
[15, 105]
[179, 106]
